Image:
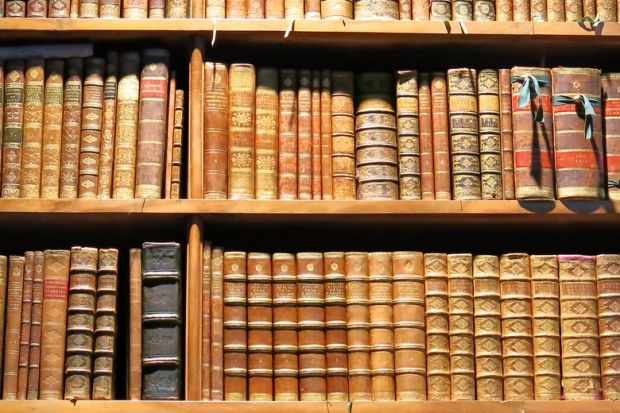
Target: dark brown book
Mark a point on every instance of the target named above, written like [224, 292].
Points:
[316, 135]
[134, 373]
[267, 133]
[108, 126]
[490, 134]
[426, 138]
[24, 336]
[177, 144]
[287, 130]
[217, 324]
[407, 112]
[38, 8]
[33, 129]
[505, 108]
[52, 129]
[3, 301]
[441, 140]
[13, 127]
[608, 287]
[343, 136]
[326, 135]
[611, 95]
[14, 294]
[304, 135]
[205, 373]
[34, 358]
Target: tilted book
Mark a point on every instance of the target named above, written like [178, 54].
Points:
[608, 286]
[343, 136]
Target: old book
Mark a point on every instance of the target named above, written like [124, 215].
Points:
[516, 295]
[52, 128]
[408, 113]
[379, 10]
[135, 9]
[555, 11]
[205, 373]
[26, 317]
[89, 9]
[461, 327]
[441, 140]
[611, 95]
[172, 88]
[521, 10]
[487, 328]
[607, 10]
[404, 9]
[463, 10]
[152, 124]
[335, 327]
[38, 8]
[490, 134]
[294, 9]
[589, 8]
[504, 10]
[311, 326]
[437, 326]
[162, 373]
[420, 9]
[109, 9]
[285, 360]
[376, 142]
[54, 323]
[108, 126]
[134, 374]
[358, 326]
[608, 280]
[426, 138]
[538, 10]
[215, 9]
[177, 9]
[266, 133]
[505, 109]
[274, 9]
[13, 127]
[484, 10]
[74, 9]
[236, 9]
[33, 129]
[105, 325]
[34, 356]
[13, 312]
[71, 129]
[581, 374]
[326, 135]
[126, 139]
[59, 9]
[177, 144]
[316, 135]
[546, 326]
[532, 133]
[1, 98]
[260, 328]
[256, 9]
[3, 301]
[15, 8]
[441, 10]
[217, 324]
[578, 137]
[304, 135]
[156, 9]
[241, 115]
[312, 9]
[336, 9]
[287, 131]
[343, 136]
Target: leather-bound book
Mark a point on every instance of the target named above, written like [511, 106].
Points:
[215, 9]
[134, 373]
[217, 324]
[109, 9]
[89, 9]
[611, 96]
[608, 283]
[343, 136]
[463, 10]
[516, 296]
[54, 323]
[162, 373]
[437, 326]
[490, 134]
[172, 88]
[13, 312]
[408, 123]
[3, 301]
[126, 126]
[294, 9]
[1, 97]
[311, 326]
[34, 356]
[266, 133]
[235, 326]
[316, 135]
[578, 136]
[205, 354]
[242, 85]
[285, 362]
[426, 138]
[287, 135]
[59, 9]
[108, 126]
[326, 135]
[176, 9]
[13, 127]
[256, 9]
[236, 9]
[487, 328]
[538, 10]
[336, 327]
[520, 10]
[358, 326]
[464, 146]
[555, 11]
[484, 10]
[177, 144]
[581, 374]
[274, 9]
[532, 133]
[441, 10]
[336, 9]
[546, 326]
[74, 9]
[24, 335]
[304, 135]
[376, 141]
[461, 324]
[105, 325]
[216, 131]
[404, 9]
[34, 93]
[607, 10]
[504, 10]
[156, 9]
[135, 9]
[409, 323]
[260, 328]
[379, 10]
[81, 323]
[15, 8]
[420, 10]
[151, 144]
[52, 128]
[505, 109]
[312, 9]
[71, 129]
[38, 8]
[441, 140]
[589, 8]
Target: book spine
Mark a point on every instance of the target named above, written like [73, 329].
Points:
[589, 8]
[326, 135]
[237, 9]
[15, 8]
[54, 323]
[546, 327]
[311, 327]
[109, 9]
[32, 388]
[358, 326]
[464, 145]
[437, 326]
[336, 9]
[408, 113]
[52, 129]
[312, 9]
[504, 10]
[606, 10]
[463, 10]
[274, 9]
[441, 10]
[216, 9]
[293, 9]
[135, 9]
[13, 127]
[33, 129]
[217, 324]
[441, 140]
[24, 335]
[13, 312]
[611, 94]
[266, 133]
[426, 139]
[304, 135]
[134, 376]
[59, 9]
[1, 101]
[172, 88]
[108, 127]
[490, 134]
[376, 10]
[176, 9]
[487, 328]
[343, 136]
[287, 131]
[521, 10]
[156, 9]
[207, 276]
[555, 11]
[256, 9]
[71, 129]
[581, 374]
[3, 301]
[89, 9]
[38, 8]
[421, 10]
[74, 9]
[316, 135]
[516, 296]
[404, 9]
[177, 144]
[538, 10]
[505, 107]
[484, 10]
[608, 286]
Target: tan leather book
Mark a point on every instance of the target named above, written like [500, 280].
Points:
[134, 376]
[14, 294]
[608, 283]
[13, 127]
[336, 9]
[260, 328]
[581, 374]
[217, 324]
[34, 98]
[311, 326]
[287, 131]
[504, 10]
[546, 327]
[34, 356]
[285, 361]
[358, 326]
[404, 9]
[408, 113]
[441, 10]
[463, 10]
[15, 8]
[461, 323]
[57, 8]
[215, 9]
[376, 10]
[538, 10]
[216, 131]
[274, 9]
[256, 9]
[126, 126]
[343, 136]
[52, 128]
[316, 135]
[172, 88]
[54, 323]
[267, 133]
[37, 8]
[607, 10]
[516, 295]
[611, 96]
[3, 301]
[177, 144]
[135, 9]
[589, 8]
[484, 10]
[71, 129]
[555, 11]
[437, 326]
[336, 327]
[420, 10]
[109, 9]
[89, 9]
[108, 127]
[74, 8]
[490, 134]
[24, 335]
[312, 9]
[236, 9]
[505, 108]
[156, 9]
[376, 142]
[441, 141]
[177, 9]
[326, 135]
[304, 135]
[521, 10]
[205, 373]
[294, 9]
[1, 90]
[426, 139]
[487, 328]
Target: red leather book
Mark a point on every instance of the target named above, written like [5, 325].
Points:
[326, 135]
[304, 135]
[287, 153]
[343, 136]
[441, 143]
[71, 129]
[611, 96]
[217, 324]
[426, 138]
[13, 127]
[505, 108]
[24, 336]
[316, 135]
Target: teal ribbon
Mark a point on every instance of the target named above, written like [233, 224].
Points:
[588, 109]
[613, 184]
[531, 86]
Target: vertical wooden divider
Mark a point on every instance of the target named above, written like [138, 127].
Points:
[196, 129]
[193, 312]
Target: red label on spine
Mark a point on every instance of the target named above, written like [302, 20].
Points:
[56, 289]
[524, 159]
[613, 163]
[612, 107]
[575, 159]
[153, 88]
[572, 108]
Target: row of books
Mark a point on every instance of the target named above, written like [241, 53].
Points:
[405, 325]
[99, 127]
[524, 133]
[105, 9]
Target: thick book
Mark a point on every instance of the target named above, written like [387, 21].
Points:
[24, 335]
[13, 127]
[317, 174]
[3, 301]
[162, 322]
[266, 133]
[177, 144]
[108, 126]
[326, 135]
[608, 287]
[217, 324]
[38, 8]
[427, 172]
[611, 99]
[408, 123]
[304, 135]
[376, 10]
[34, 356]
[287, 135]
[441, 139]
[134, 365]
[343, 136]
[490, 134]
[506, 124]
[34, 97]
[52, 128]
[207, 277]
[13, 312]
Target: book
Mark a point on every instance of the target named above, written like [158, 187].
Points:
[441, 10]
[555, 11]
[172, 88]
[177, 144]
[14, 294]
[15, 8]
[317, 173]
[52, 128]
[312, 9]
[24, 335]
[13, 126]
[607, 279]
[59, 9]
[38, 8]
[293, 9]
[236, 9]
[426, 138]
[538, 10]
[34, 356]
[505, 106]
[135, 9]
[156, 9]
[607, 10]
[380, 10]
[176, 9]
[74, 8]
[336, 9]
[134, 374]
[109, 9]
[266, 133]
[484, 10]
[1, 97]
[216, 131]
[256, 9]
[3, 301]
[490, 134]
[89, 9]
[420, 9]
[71, 129]
[34, 98]
[217, 324]
[408, 118]
[326, 135]
[504, 10]
[304, 135]
[343, 136]
[108, 126]
[441, 141]
[215, 9]
[521, 10]
[274, 9]
[207, 276]
[611, 95]
[404, 9]
[287, 135]
[463, 10]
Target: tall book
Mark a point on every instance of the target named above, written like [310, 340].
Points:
[407, 112]
[358, 326]
[383, 10]
[71, 129]
[516, 296]
[217, 324]
[505, 108]
[304, 135]
[611, 96]
[207, 277]
[52, 128]
[34, 98]
[546, 326]
[426, 138]
[581, 374]
[266, 133]
[162, 300]
[343, 136]
[490, 134]
[287, 135]
[34, 356]
[487, 328]
[3, 301]
[177, 144]
[13, 127]
[317, 173]
[608, 286]
[24, 335]
[376, 142]
[216, 131]
[441, 139]
[134, 374]
[38, 8]
[326, 135]
[135, 9]
[579, 153]
[108, 126]
[13, 312]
